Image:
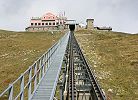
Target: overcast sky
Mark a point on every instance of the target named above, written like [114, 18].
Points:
[121, 15]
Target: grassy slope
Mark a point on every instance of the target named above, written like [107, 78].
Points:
[114, 57]
[18, 50]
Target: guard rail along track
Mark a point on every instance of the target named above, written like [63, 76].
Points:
[62, 65]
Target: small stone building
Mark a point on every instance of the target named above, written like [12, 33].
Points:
[90, 23]
[104, 28]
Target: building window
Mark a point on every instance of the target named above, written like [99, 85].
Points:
[57, 23]
[32, 23]
[46, 23]
[49, 23]
[60, 22]
[53, 23]
[42, 23]
[35, 23]
[39, 23]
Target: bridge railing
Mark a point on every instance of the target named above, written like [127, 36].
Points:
[30, 79]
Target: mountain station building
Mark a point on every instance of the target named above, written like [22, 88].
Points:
[48, 21]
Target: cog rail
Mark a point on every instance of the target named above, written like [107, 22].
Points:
[82, 81]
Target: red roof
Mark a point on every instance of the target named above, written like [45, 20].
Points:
[49, 16]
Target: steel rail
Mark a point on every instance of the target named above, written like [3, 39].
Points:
[97, 91]
[72, 74]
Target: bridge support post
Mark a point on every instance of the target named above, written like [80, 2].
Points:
[10, 97]
[61, 92]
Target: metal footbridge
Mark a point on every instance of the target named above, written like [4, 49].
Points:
[61, 71]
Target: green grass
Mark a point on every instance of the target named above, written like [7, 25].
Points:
[114, 58]
[18, 50]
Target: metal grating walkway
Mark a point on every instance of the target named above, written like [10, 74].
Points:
[46, 89]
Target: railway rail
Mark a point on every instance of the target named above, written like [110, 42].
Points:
[82, 81]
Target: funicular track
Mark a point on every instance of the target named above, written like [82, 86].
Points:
[82, 82]
[78, 81]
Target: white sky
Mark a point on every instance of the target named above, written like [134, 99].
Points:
[121, 15]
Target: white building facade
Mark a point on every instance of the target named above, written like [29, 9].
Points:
[48, 21]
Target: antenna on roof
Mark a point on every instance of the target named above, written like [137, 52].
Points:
[64, 13]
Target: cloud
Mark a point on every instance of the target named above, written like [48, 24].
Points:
[120, 14]
[12, 7]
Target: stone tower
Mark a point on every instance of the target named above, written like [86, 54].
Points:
[90, 23]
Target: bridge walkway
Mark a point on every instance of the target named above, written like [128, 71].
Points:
[47, 86]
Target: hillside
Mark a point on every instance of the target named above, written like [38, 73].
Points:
[114, 58]
[3, 31]
[18, 50]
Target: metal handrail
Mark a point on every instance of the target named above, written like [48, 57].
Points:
[40, 67]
